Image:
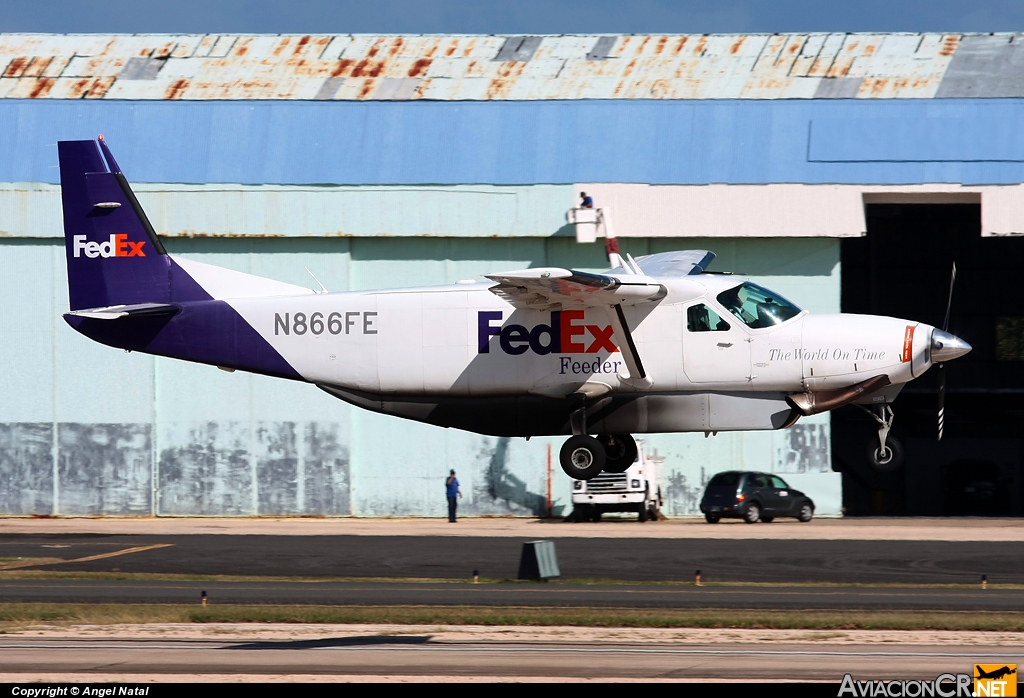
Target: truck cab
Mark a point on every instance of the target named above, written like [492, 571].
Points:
[637, 490]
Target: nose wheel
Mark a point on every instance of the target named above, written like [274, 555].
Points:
[888, 454]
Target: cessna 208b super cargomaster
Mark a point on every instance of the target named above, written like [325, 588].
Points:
[656, 344]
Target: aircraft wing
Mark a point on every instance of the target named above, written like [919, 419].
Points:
[546, 288]
[674, 264]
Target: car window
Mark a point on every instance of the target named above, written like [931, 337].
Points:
[725, 480]
[778, 483]
[758, 481]
[700, 318]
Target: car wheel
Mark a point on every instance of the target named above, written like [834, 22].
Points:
[767, 519]
[711, 518]
[642, 513]
[806, 512]
[753, 513]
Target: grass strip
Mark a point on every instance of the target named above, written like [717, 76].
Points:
[17, 615]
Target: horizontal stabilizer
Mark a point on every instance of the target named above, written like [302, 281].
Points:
[116, 312]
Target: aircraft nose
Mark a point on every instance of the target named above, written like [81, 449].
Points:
[946, 347]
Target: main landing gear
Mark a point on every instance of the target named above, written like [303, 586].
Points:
[584, 457]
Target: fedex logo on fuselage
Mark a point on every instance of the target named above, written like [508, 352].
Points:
[117, 246]
[565, 335]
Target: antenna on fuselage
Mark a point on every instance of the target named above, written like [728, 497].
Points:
[323, 289]
[633, 265]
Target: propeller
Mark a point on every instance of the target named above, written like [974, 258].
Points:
[942, 366]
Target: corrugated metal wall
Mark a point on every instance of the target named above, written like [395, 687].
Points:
[86, 429]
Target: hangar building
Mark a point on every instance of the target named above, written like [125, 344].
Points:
[846, 171]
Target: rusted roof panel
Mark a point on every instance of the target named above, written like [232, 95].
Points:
[466, 67]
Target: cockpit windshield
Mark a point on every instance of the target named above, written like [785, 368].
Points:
[756, 306]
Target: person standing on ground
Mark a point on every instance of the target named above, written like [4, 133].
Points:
[452, 489]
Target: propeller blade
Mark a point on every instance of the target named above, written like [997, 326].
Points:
[949, 303]
[942, 399]
[942, 367]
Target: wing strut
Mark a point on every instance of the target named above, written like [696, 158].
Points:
[637, 374]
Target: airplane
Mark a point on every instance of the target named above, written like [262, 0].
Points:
[654, 344]
[994, 674]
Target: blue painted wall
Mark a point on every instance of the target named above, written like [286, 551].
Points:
[557, 142]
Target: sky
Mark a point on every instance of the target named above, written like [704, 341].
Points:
[510, 16]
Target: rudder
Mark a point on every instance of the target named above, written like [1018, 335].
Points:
[113, 254]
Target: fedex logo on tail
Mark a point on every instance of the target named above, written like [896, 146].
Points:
[117, 246]
[565, 335]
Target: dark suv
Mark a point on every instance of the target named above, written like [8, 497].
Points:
[753, 497]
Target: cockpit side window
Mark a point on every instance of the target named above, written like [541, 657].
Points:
[756, 306]
[700, 318]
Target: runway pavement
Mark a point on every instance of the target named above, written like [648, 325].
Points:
[445, 557]
[420, 654]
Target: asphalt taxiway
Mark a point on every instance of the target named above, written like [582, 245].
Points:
[778, 561]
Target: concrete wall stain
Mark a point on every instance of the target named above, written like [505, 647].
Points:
[277, 468]
[326, 468]
[806, 449]
[105, 469]
[206, 469]
[26, 468]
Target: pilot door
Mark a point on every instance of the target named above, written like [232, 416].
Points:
[715, 349]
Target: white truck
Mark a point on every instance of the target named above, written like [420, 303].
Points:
[636, 490]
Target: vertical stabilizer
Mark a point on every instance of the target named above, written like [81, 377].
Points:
[114, 256]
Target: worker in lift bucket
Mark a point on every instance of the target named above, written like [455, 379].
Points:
[587, 202]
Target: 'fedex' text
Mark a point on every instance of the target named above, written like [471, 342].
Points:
[565, 335]
[117, 246]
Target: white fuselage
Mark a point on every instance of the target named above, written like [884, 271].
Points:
[462, 340]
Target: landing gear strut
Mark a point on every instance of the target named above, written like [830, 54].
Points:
[888, 455]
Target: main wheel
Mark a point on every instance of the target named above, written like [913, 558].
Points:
[888, 461]
[806, 512]
[767, 519]
[711, 518]
[753, 513]
[620, 452]
[582, 457]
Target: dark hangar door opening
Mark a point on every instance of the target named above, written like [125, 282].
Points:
[901, 268]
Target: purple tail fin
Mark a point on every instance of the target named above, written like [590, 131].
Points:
[114, 256]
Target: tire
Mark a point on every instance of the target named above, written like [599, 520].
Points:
[753, 513]
[806, 512]
[767, 519]
[595, 516]
[582, 457]
[711, 518]
[620, 452]
[642, 513]
[887, 464]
